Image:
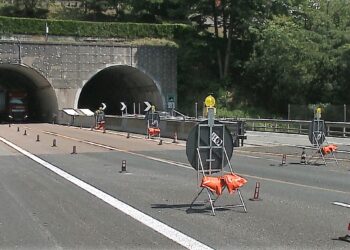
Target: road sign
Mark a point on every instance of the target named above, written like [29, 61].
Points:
[171, 101]
[317, 131]
[123, 106]
[200, 137]
[148, 106]
[104, 106]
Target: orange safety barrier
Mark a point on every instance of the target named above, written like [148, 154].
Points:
[153, 131]
[214, 184]
[328, 149]
[233, 181]
[217, 183]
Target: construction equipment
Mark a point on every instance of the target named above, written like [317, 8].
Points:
[209, 148]
[153, 121]
[322, 150]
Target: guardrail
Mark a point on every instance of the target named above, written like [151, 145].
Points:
[336, 129]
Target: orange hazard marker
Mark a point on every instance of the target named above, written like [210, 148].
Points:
[256, 193]
[214, 184]
[153, 131]
[329, 149]
[233, 182]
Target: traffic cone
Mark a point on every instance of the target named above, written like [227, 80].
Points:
[74, 150]
[160, 142]
[123, 170]
[256, 193]
[303, 157]
[284, 159]
[175, 137]
[346, 237]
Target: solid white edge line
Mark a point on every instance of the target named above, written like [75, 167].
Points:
[145, 219]
[341, 204]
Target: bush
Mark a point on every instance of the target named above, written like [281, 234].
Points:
[31, 26]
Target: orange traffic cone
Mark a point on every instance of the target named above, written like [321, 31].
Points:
[256, 193]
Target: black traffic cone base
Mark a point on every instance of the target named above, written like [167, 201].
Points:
[345, 238]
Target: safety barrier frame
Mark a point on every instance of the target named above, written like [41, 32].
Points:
[201, 171]
[317, 147]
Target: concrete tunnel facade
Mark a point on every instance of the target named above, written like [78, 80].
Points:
[112, 85]
[83, 75]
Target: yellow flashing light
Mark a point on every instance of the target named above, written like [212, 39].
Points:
[209, 101]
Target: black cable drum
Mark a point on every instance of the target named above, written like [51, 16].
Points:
[221, 133]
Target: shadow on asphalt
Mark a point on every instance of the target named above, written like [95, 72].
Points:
[199, 208]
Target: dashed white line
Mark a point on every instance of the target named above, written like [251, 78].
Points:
[341, 204]
[145, 219]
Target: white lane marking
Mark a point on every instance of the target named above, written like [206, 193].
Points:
[341, 204]
[145, 219]
[179, 164]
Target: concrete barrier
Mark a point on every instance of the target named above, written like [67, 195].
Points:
[138, 125]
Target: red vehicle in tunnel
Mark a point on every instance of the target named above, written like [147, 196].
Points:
[18, 105]
[13, 104]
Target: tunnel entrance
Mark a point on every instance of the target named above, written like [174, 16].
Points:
[117, 84]
[35, 94]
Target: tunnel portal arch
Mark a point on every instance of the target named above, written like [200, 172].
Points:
[120, 83]
[42, 100]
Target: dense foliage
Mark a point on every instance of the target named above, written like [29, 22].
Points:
[10, 25]
[248, 53]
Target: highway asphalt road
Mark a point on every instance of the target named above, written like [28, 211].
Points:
[42, 209]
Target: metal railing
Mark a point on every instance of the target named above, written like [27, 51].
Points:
[336, 129]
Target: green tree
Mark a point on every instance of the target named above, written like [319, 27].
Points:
[95, 7]
[283, 66]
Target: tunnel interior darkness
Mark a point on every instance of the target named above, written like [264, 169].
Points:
[41, 98]
[117, 84]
